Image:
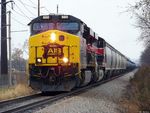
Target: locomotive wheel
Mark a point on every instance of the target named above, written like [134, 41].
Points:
[94, 76]
[100, 75]
[78, 81]
[109, 75]
[82, 77]
[86, 77]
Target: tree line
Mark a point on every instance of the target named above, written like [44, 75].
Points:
[141, 10]
[138, 91]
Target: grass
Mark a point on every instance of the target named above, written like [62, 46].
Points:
[20, 87]
[15, 91]
[137, 96]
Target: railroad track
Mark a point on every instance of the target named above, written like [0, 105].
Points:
[51, 99]
[20, 99]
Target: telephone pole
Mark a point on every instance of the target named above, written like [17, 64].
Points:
[57, 8]
[38, 7]
[4, 62]
[5, 79]
[9, 38]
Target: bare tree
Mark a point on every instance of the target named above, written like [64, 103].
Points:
[18, 62]
[141, 10]
[145, 57]
[25, 47]
[17, 53]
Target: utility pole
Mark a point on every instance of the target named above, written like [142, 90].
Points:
[4, 62]
[9, 38]
[57, 8]
[38, 7]
[0, 41]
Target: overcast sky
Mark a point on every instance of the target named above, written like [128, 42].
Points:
[106, 17]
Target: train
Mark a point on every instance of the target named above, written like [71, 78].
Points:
[64, 53]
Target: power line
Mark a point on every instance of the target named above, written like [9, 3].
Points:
[29, 5]
[33, 2]
[19, 31]
[46, 9]
[14, 19]
[36, 6]
[22, 12]
[3, 10]
[18, 21]
[26, 7]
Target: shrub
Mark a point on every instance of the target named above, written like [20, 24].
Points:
[140, 88]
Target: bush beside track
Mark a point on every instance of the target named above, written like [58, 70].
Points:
[137, 96]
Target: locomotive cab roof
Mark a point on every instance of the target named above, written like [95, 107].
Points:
[54, 18]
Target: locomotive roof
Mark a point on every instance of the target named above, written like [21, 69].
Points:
[54, 17]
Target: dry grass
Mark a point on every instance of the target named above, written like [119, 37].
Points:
[16, 91]
[20, 88]
[137, 96]
[128, 106]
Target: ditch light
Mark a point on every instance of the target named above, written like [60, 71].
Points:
[65, 60]
[39, 60]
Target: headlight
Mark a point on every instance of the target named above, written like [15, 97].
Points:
[39, 60]
[53, 37]
[65, 60]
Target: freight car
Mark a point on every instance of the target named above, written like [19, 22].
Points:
[65, 53]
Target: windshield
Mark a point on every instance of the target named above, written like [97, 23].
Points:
[42, 26]
[71, 27]
[67, 26]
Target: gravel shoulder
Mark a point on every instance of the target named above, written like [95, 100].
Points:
[102, 99]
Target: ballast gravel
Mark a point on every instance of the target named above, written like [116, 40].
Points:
[101, 99]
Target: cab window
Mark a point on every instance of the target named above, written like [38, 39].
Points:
[40, 27]
[70, 27]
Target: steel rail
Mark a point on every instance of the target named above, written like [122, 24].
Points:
[19, 99]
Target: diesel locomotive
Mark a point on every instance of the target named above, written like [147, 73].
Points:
[64, 53]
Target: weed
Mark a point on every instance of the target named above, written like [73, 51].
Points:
[15, 91]
[137, 96]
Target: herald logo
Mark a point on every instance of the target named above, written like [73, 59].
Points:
[53, 50]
